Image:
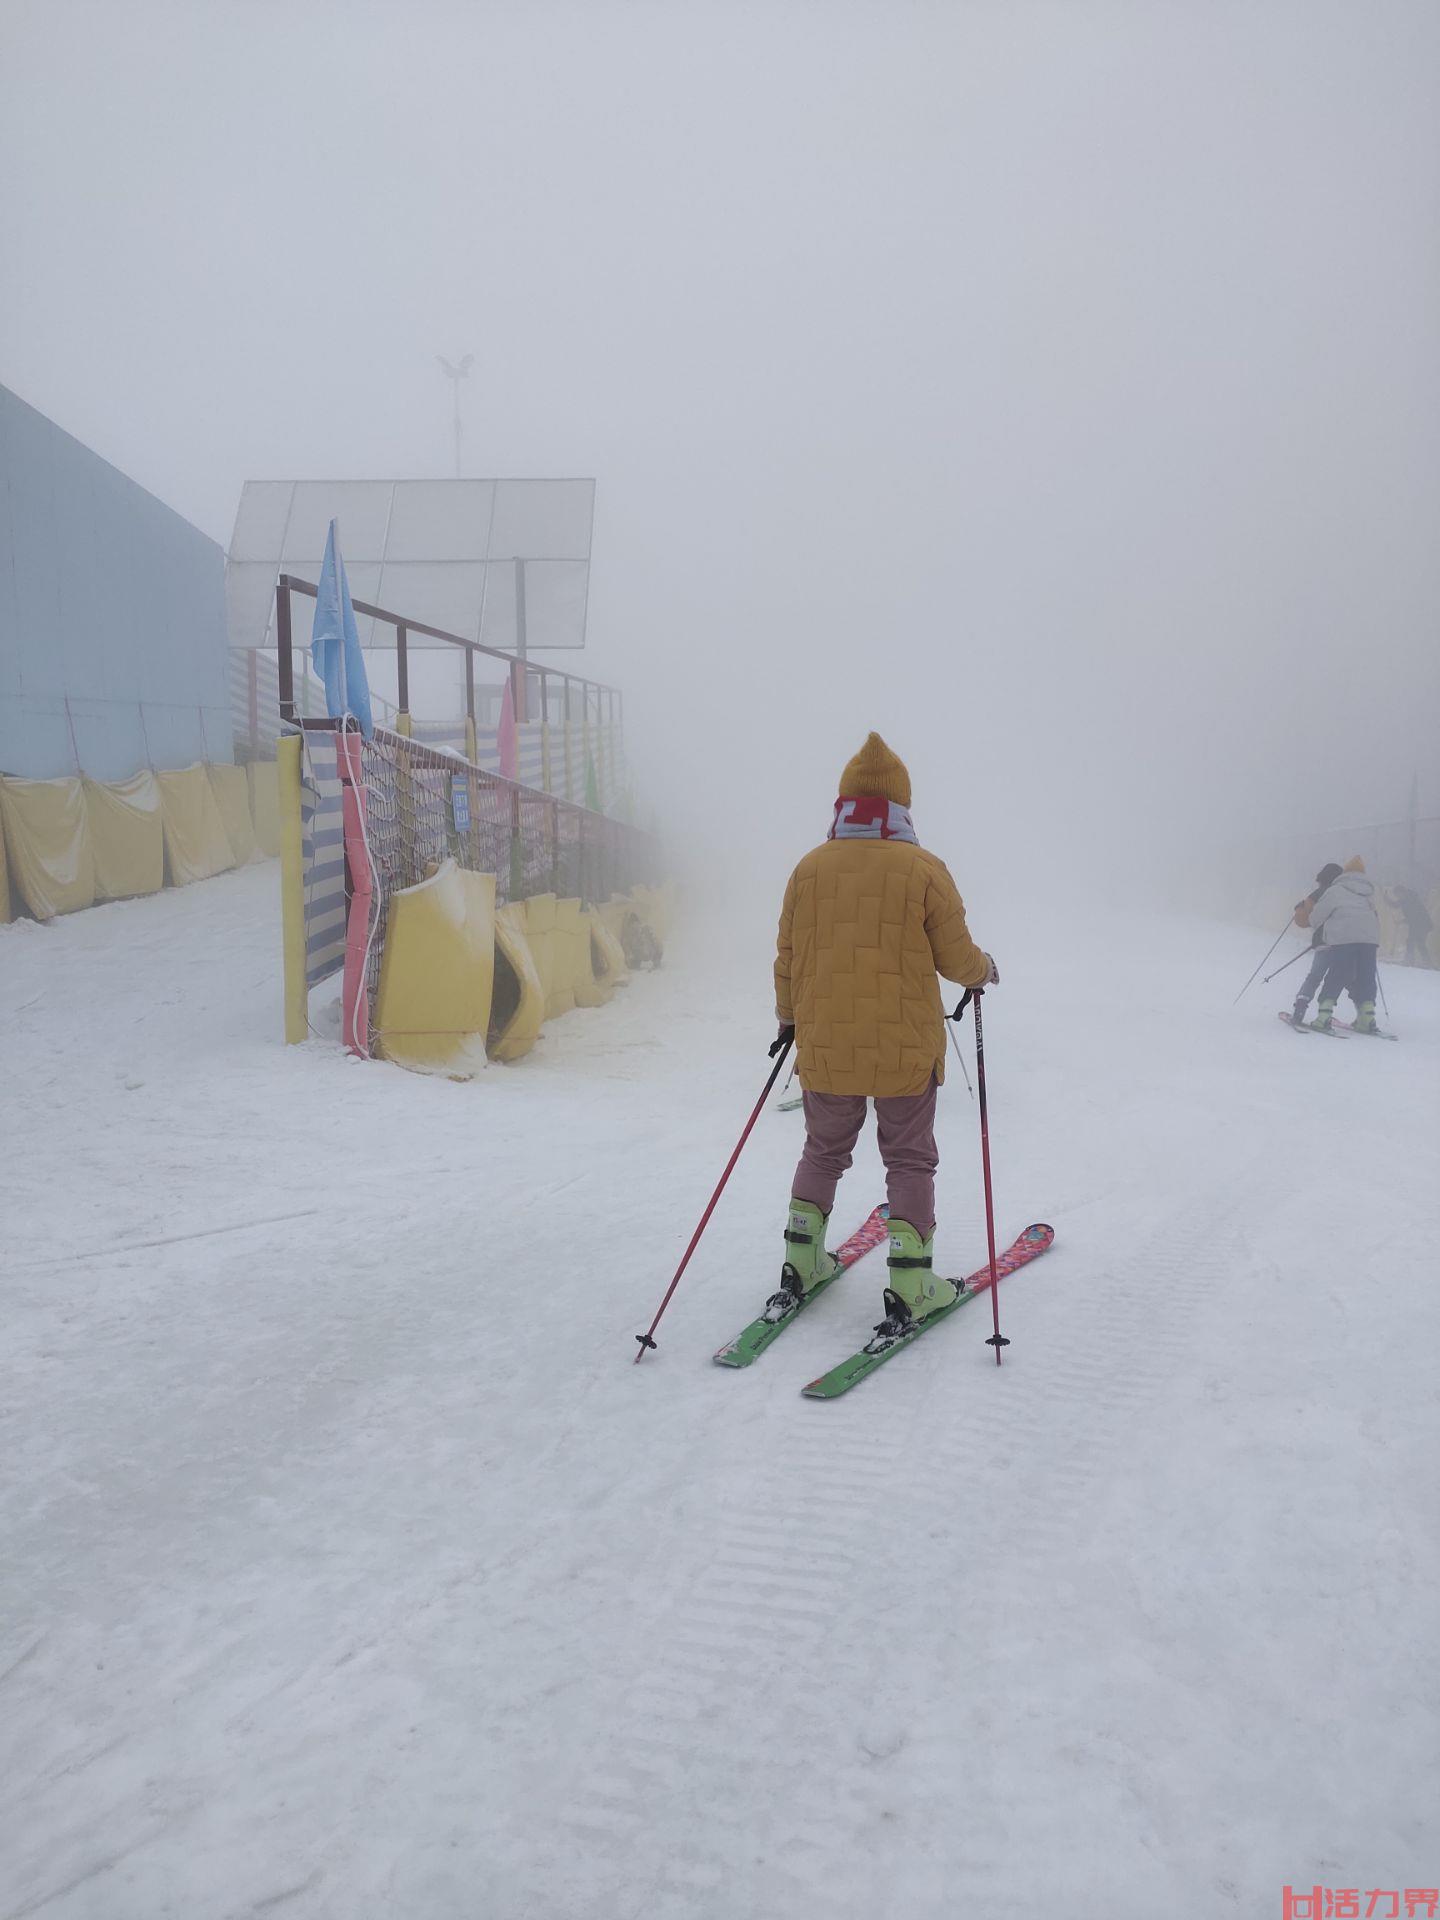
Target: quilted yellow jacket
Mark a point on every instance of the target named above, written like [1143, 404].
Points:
[865, 927]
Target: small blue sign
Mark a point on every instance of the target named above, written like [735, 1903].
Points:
[460, 801]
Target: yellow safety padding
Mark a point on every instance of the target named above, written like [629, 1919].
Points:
[437, 977]
[232, 797]
[539, 913]
[621, 919]
[51, 859]
[126, 836]
[553, 951]
[653, 904]
[196, 844]
[7, 912]
[574, 929]
[614, 910]
[606, 952]
[595, 982]
[631, 924]
[264, 778]
[573, 977]
[517, 1011]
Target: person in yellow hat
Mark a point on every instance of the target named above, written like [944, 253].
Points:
[1348, 927]
[869, 920]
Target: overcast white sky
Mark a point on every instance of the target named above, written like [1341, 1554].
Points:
[1054, 386]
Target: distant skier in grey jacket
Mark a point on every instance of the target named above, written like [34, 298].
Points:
[1320, 965]
[1349, 928]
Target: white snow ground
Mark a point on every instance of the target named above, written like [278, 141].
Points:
[351, 1569]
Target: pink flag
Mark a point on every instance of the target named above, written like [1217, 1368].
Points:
[509, 740]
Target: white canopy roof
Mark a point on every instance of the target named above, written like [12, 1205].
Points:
[452, 553]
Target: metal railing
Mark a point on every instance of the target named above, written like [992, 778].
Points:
[609, 702]
[417, 802]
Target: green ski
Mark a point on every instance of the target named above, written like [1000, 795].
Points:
[1029, 1246]
[750, 1344]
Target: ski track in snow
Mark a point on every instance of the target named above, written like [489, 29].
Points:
[351, 1568]
[785, 1553]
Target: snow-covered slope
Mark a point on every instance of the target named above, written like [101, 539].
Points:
[350, 1568]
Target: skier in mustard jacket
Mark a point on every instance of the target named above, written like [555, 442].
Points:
[869, 919]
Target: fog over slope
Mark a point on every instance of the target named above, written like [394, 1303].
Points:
[1052, 387]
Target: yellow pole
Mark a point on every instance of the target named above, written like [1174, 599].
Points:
[292, 890]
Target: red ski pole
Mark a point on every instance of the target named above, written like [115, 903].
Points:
[996, 1339]
[781, 1048]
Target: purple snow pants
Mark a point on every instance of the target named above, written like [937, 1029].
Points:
[906, 1127]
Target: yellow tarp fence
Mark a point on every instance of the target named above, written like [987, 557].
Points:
[126, 836]
[196, 845]
[265, 806]
[232, 796]
[66, 844]
[47, 836]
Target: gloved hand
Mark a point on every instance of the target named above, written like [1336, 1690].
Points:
[782, 1039]
[992, 979]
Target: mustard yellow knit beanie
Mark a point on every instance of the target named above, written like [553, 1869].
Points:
[876, 771]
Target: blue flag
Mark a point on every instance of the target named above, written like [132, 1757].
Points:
[335, 646]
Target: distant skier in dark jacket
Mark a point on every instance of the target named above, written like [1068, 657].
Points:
[1418, 925]
[1320, 965]
[1349, 928]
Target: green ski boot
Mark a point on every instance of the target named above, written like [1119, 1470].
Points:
[1365, 1017]
[914, 1293]
[1324, 1016]
[807, 1264]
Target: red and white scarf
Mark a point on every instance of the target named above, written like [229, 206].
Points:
[871, 818]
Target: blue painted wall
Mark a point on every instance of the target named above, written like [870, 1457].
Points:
[112, 616]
